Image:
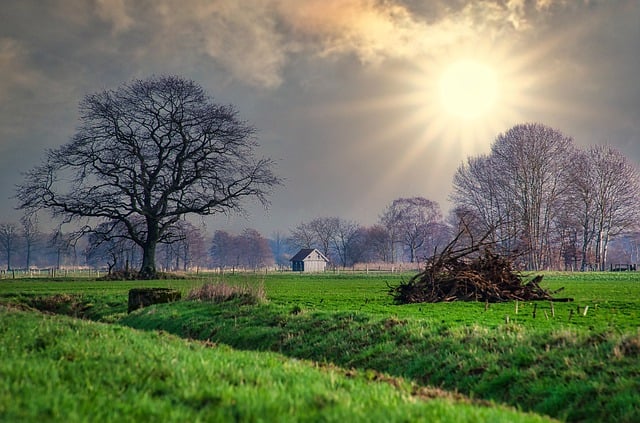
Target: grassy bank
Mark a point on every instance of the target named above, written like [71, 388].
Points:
[55, 368]
[574, 374]
[577, 361]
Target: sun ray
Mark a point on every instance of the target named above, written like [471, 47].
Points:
[425, 133]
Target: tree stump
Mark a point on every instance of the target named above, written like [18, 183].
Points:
[143, 297]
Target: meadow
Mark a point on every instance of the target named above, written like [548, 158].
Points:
[320, 347]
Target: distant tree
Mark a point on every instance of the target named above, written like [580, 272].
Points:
[183, 247]
[517, 190]
[30, 235]
[254, 249]
[345, 241]
[388, 221]
[533, 162]
[616, 197]
[157, 150]
[195, 249]
[411, 221]
[249, 249]
[111, 246]
[483, 203]
[439, 234]
[625, 249]
[63, 245]
[358, 249]
[377, 244]
[303, 236]
[223, 251]
[318, 233]
[325, 230]
[580, 205]
[280, 247]
[8, 241]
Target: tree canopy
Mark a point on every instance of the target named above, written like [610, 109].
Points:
[151, 151]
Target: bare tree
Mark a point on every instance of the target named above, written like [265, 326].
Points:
[580, 206]
[616, 185]
[111, 246]
[279, 246]
[518, 189]
[602, 201]
[318, 233]
[388, 221]
[303, 236]
[185, 247]
[532, 162]
[8, 240]
[255, 250]
[156, 150]
[64, 245]
[30, 235]
[345, 240]
[325, 230]
[195, 249]
[377, 240]
[249, 249]
[480, 197]
[411, 221]
[224, 250]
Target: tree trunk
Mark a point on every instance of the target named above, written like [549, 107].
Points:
[603, 257]
[148, 268]
[586, 239]
[28, 259]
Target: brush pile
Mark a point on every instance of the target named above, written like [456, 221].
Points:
[468, 274]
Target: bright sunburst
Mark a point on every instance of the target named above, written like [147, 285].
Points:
[449, 106]
[468, 89]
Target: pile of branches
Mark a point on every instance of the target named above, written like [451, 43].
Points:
[473, 273]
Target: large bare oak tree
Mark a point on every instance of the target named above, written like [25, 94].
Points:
[151, 151]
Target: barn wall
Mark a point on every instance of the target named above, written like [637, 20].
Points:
[314, 265]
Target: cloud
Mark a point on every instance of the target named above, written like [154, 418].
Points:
[115, 12]
[18, 82]
[377, 30]
[16, 73]
[255, 39]
[244, 38]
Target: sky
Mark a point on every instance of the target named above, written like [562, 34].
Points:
[359, 102]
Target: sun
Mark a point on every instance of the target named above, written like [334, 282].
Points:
[468, 89]
[443, 107]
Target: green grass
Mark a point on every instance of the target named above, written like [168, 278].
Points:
[568, 373]
[562, 361]
[55, 368]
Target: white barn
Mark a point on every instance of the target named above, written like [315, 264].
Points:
[308, 260]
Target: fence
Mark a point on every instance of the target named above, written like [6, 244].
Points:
[50, 273]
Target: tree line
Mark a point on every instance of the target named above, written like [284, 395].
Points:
[408, 229]
[152, 152]
[557, 204]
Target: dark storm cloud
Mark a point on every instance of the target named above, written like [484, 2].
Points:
[306, 73]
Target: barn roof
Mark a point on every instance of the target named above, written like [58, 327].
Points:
[304, 253]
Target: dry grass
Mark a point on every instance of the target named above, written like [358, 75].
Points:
[629, 346]
[220, 292]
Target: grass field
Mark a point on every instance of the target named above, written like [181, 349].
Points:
[574, 361]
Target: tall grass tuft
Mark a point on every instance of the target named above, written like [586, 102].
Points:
[221, 292]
